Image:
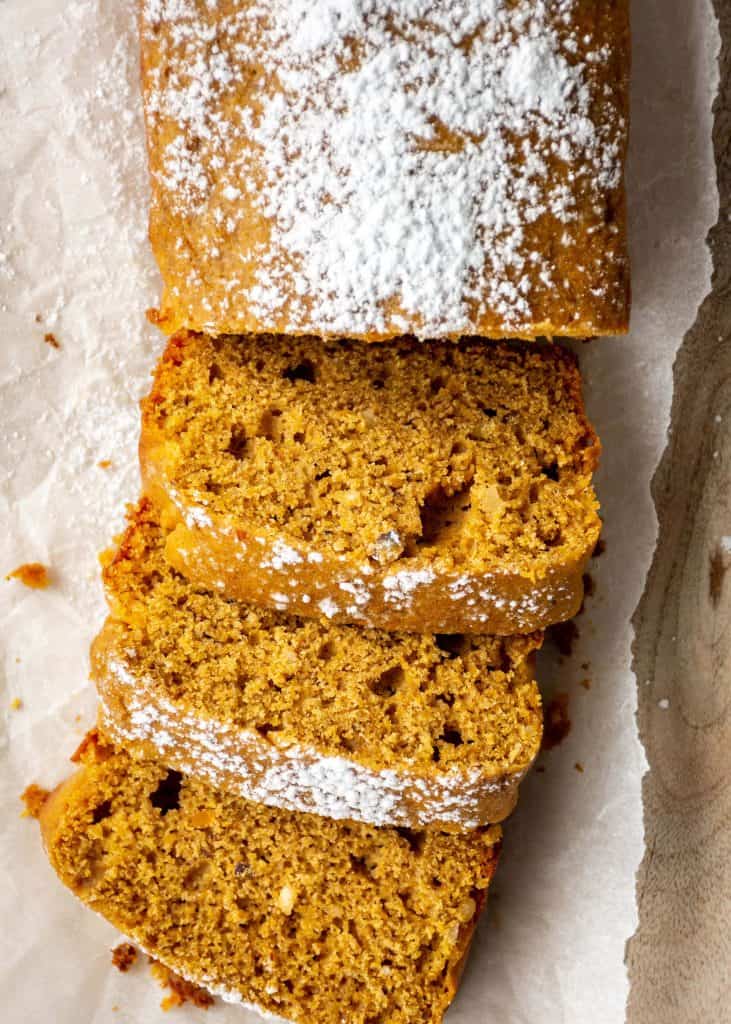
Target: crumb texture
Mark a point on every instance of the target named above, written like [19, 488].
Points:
[380, 168]
[391, 727]
[307, 918]
[356, 480]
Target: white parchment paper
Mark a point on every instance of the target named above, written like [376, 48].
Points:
[74, 261]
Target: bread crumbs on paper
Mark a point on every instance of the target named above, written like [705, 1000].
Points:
[33, 797]
[181, 991]
[16, 704]
[31, 574]
[50, 339]
[124, 956]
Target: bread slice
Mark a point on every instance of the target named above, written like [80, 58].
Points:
[437, 488]
[375, 170]
[388, 728]
[303, 917]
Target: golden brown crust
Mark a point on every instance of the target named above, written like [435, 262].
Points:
[215, 244]
[247, 524]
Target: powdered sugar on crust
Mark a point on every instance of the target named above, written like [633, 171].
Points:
[291, 777]
[424, 596]
[399, 153]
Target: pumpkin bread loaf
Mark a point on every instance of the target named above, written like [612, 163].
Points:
[370, 170]
[430, 487]
[312, 920]
[389, 728]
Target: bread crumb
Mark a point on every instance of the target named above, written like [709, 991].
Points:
[92, 747]
[52, 340]
[556, 721]
[154, 316]
[123, 956]
[34, 797]
[16, 704]
[104, 464]
[663, 704]
[579, 767]
[31, 574]
[181, 991]
[38, 318]
[586, 683]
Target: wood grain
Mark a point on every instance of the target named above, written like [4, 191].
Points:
[680, 958]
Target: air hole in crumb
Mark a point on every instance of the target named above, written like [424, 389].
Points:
[451, 736]
[551, 471]
[551, 535]
[167, 795]
[490, 413]
[269, 425]
[238, 443]
[214, 373]
[302, 371]
[388, 682]
[101, 812]
[323, 475]
[437, 383]
[415, 840]
[195, 876]
[265, 729]
[441, 512]
[327, 651]
[377, 384]
[359, 867]
[453, 644]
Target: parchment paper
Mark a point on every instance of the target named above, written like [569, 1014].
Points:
[74, 262]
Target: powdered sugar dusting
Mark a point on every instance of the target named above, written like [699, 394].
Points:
[400, 151]
[292, 777]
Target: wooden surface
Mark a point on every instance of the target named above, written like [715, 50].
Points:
[680, 958]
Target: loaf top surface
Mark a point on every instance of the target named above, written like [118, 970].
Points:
[388, 167]
[430, 705]
[470, 458]
[305, 917]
